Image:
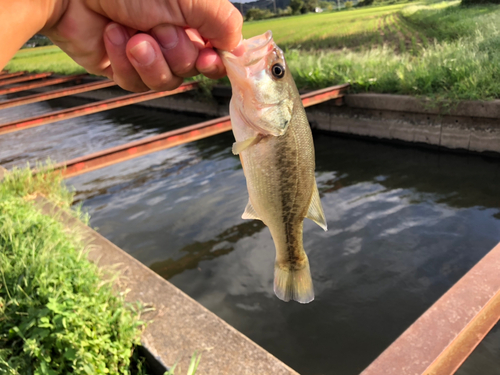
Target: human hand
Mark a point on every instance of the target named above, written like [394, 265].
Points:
[148, 44]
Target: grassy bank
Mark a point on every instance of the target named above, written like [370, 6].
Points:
[441, 50]
[56, 314]
[44, 59]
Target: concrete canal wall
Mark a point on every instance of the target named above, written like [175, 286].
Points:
[472, 126]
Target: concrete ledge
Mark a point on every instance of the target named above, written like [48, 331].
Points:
[180, 325]
[418, 125]
[404, 103]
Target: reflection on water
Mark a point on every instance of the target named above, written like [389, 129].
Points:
[404, 225]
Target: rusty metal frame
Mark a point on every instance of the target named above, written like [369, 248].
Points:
[173, 138]
[88, 109]
[30, 77]
[7, 75]
[142, 147]
[56, 93]
[42, 83]
[447, 333]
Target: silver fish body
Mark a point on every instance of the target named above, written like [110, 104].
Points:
[274, 141]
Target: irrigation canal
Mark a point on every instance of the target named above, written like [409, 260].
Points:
[404, 225]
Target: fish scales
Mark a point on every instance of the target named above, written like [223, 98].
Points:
[274, 141]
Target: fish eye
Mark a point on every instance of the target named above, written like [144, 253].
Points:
[278, 70]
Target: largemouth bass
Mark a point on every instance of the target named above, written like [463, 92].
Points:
[275, 145]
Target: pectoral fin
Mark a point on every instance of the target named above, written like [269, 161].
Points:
[315, 212]
[243, 145]
[250, 213]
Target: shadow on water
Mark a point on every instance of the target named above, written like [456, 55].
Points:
[208, 250]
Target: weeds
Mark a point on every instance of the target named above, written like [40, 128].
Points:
[56, 314]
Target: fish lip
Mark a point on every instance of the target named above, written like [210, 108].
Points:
[252, 45]
[268, 35]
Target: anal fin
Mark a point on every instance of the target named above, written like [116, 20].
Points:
[250, 213]
[315, 212]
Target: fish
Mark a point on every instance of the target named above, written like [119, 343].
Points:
[275, 146]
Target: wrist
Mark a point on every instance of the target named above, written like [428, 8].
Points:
[52, 11]
[21, 19]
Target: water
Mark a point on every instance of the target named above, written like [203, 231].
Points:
[404, 225]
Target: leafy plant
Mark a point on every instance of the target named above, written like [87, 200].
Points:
[57, 316]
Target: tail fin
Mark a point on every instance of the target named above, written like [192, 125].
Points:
[290, 283]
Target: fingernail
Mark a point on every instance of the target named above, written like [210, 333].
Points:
[115, 34]
[167, 36]
[144, 53]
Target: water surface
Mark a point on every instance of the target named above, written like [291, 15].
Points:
[404, 225]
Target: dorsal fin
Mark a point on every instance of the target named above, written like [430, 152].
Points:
[250, 212]
[315, 212]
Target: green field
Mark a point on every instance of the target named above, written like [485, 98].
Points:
[44, 59]
[437, 49]
[364, 28]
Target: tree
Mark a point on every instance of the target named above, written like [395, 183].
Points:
[326, 5]
[310, 5]
[296, 6]
[257, 14]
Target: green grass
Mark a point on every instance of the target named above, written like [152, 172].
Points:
[57, 316]
[440, 49]
[44, 59]
[330, 30]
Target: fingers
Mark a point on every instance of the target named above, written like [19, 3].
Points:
[158, 61]
[122, 71]
[138, 63]
[178, 50]
[216, 20]
[210, 64]
[145, 55]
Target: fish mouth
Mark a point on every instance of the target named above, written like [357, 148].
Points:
[250, 51]
[259, 41]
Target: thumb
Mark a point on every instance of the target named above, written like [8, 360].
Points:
[216, 20]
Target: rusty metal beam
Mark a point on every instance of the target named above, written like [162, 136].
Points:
[42, 83]
[319, 96]
[142, 147]
[30, 77]
[170, 139]
[56, 93]
[447, 333]
[7, 75]
[88, 109]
